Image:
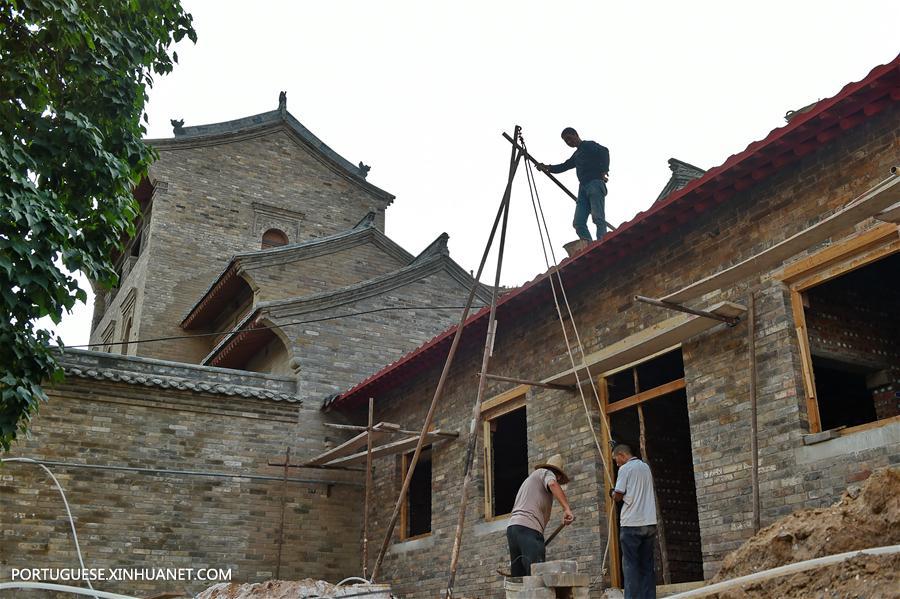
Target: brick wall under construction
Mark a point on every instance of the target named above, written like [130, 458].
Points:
[792, 475]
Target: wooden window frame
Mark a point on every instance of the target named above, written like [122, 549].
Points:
[615, 556]
[404, 507]
[492, 409]
[858, 250]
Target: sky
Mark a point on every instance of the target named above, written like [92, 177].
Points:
[422, 92]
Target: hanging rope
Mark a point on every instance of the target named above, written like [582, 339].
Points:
[552, 267]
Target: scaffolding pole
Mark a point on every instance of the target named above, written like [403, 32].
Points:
[439, 390]
[729, 320]
[482, 382]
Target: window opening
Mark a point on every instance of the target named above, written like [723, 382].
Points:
[854, 345]
[417, 519]
[509, 463]
[274, 238]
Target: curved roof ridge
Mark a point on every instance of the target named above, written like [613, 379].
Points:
[363, 229]
[396, 278]
[214, 132]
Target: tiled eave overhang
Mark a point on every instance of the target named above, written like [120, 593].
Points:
[804, 134]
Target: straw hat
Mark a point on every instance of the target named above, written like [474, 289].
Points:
[555, 463]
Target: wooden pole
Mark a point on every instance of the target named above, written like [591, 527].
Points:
[550, 175]
[439, 390]
[482, 384]
[287, 461]
[365, 539]
[661, 530]
[390, 428]
[729, 320]
[754, 430]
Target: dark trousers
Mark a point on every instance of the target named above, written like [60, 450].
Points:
[526, 547]
[638, 545]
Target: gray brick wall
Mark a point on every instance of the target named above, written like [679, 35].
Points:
[205, 212]
[530, 345]
[130, 519]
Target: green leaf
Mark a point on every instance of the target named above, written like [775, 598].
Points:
[75, 77]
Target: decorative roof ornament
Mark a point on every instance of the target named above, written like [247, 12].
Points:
[682, 174]
[364, 169]
[367, 221]
[177, 126]
[282, 101]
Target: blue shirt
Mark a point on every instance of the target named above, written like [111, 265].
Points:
[590, 160]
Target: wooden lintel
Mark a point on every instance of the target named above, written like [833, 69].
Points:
[837, 252]
[659, 336]
[871, 203]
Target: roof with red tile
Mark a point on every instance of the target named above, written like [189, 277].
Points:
[803, 134]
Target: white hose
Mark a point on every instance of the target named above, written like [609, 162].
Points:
[68, 511]
[63, 588]
[785, 570]
[352, 578]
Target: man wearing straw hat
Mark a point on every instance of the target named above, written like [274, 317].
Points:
[531, 512]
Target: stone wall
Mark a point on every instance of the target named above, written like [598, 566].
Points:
[323, 271]
[215, 200]
[716, 369]
[334, 355]
[132, 413]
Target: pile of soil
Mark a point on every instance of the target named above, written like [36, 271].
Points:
[862, 577]
[867, 516]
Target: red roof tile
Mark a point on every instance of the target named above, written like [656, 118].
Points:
[807, 131]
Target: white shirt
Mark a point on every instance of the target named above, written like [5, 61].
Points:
[639, 501]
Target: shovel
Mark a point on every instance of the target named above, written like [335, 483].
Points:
[547, 542]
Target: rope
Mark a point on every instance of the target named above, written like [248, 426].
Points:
[542, 229]
[65, 502]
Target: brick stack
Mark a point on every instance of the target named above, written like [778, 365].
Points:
[555, 580]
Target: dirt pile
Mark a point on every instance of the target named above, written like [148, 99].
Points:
[864, 517]
[862, 577]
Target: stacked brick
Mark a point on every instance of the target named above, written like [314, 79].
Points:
[554, 580]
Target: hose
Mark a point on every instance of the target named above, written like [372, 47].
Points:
[68, 512]
[810, 564]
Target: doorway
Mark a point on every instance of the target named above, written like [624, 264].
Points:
[654, 391]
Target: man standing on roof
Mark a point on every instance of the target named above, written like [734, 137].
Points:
[637, 524]
[530, 513]
[591, 163]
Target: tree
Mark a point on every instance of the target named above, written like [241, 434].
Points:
[74, 76]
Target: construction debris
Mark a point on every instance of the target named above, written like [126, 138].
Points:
[867, 516]
[294, 589]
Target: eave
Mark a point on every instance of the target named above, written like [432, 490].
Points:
[824, 122]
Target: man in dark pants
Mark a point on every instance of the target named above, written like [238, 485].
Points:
[637, 524]
[591, 163]
[531, 511]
